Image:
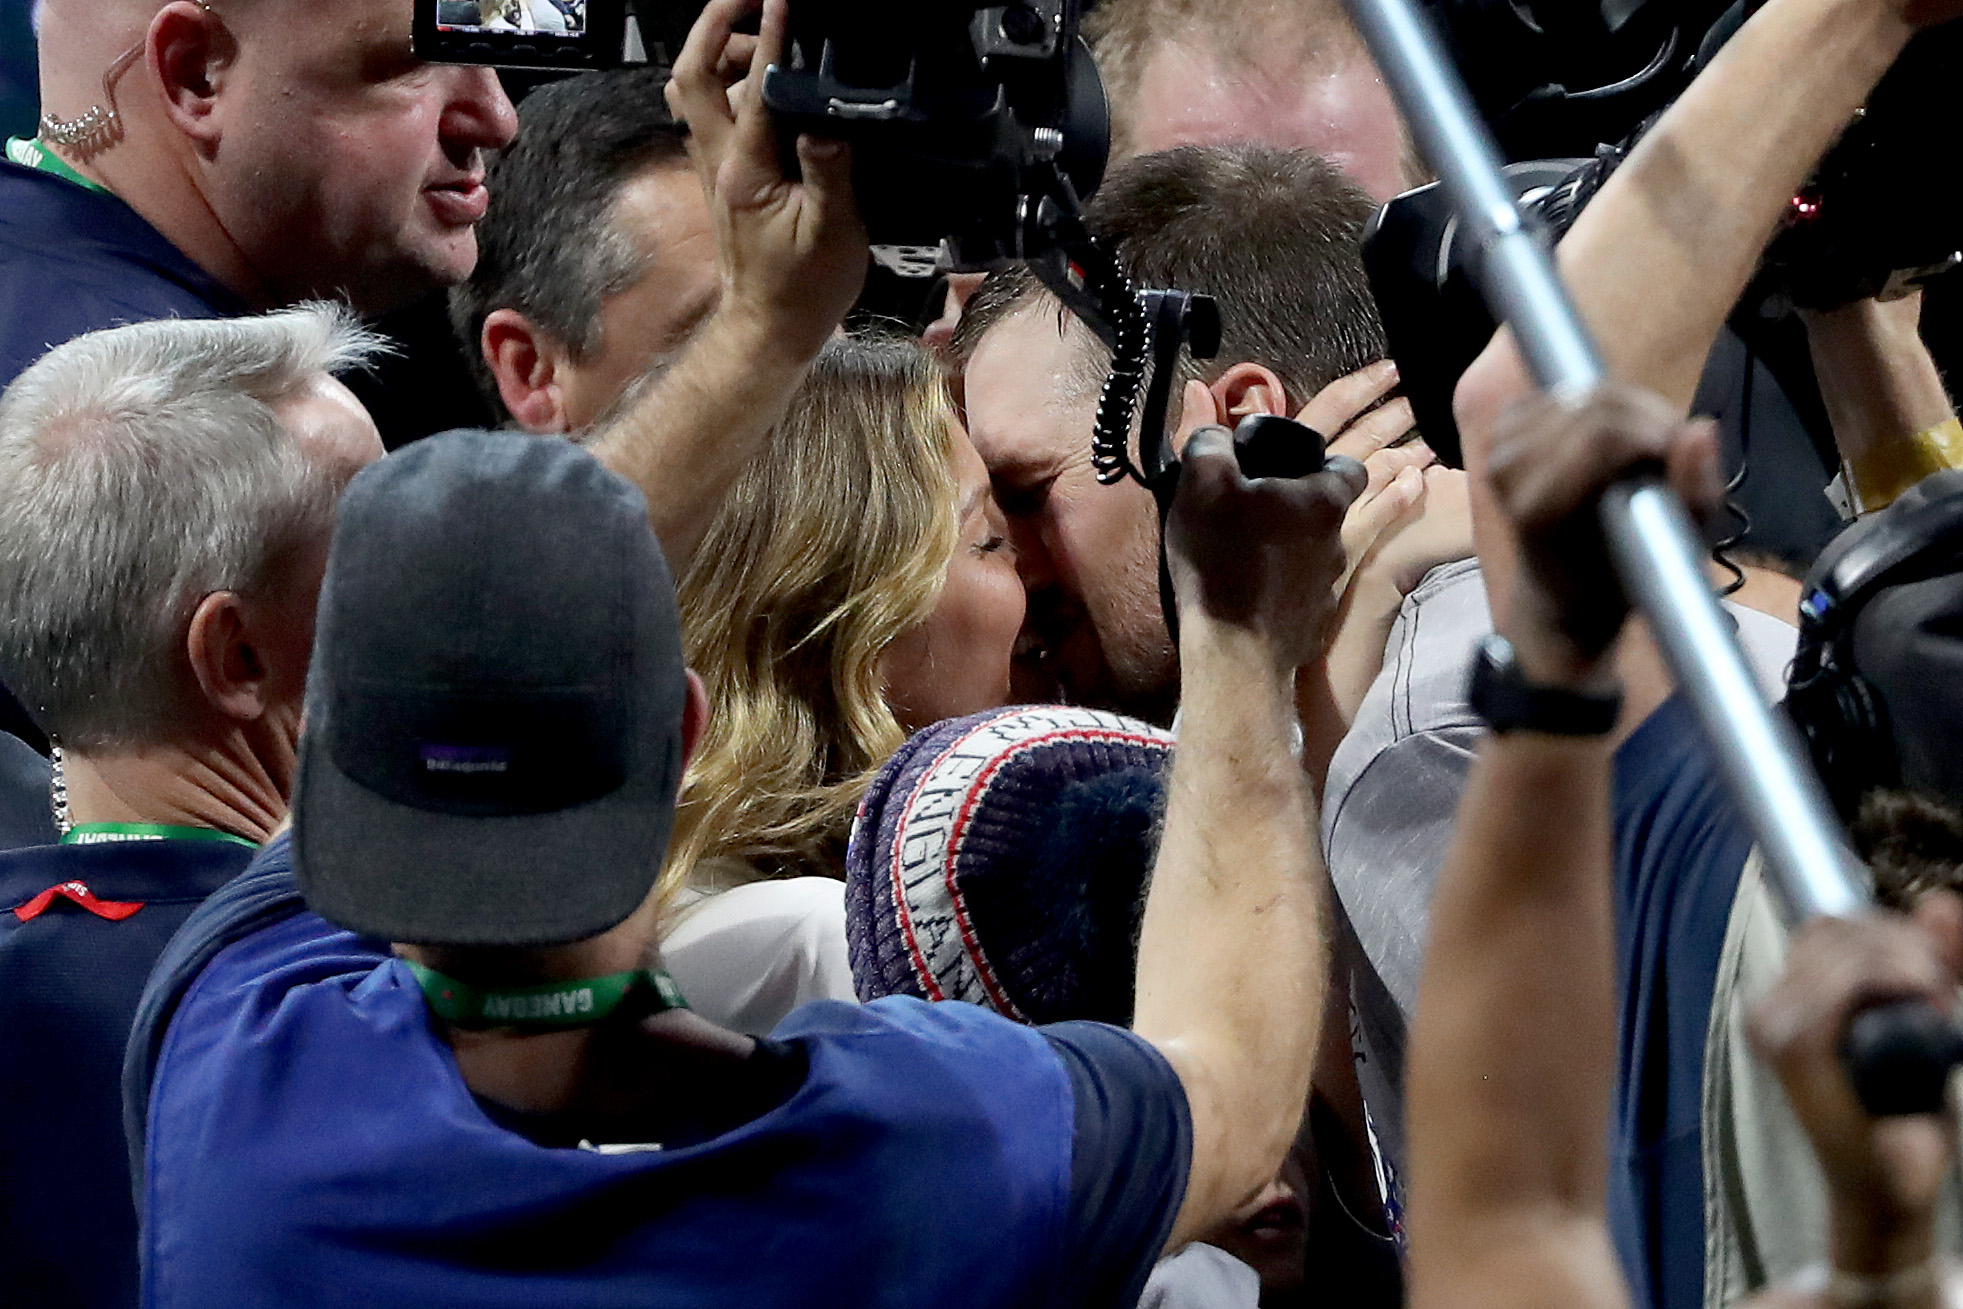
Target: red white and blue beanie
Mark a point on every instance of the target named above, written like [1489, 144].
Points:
[1002, 859]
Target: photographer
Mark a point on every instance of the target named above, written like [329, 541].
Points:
[791, 257]
[1656, 262]
[1892, 418]
[1514, 1047]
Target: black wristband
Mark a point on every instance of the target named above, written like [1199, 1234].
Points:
[1508, 702]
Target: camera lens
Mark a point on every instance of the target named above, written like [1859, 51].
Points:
[1023, 25]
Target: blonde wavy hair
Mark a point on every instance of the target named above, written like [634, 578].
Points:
[834, 542]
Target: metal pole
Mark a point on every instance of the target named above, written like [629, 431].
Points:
[1657, 553]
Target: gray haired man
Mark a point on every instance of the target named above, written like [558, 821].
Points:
[167, 493]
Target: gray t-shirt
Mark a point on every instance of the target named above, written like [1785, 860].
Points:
[1391, 804]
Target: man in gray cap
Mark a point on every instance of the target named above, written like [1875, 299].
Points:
[513, 1105]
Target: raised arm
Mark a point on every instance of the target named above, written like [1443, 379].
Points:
[1884, 1176]
[1892, 419]
[1233, 955]
[1513, 1045]
[793, 257]
[1660, 255]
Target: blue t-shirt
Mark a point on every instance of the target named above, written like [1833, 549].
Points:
[1680, 848]
[71, 969]
[310, 1141]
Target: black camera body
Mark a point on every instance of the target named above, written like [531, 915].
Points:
[1880, 215]
[964, 116]
[1883, 213]
[961, 115]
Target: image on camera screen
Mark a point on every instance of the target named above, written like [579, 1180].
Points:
[529, 17]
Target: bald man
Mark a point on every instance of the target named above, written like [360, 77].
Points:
[204, 158]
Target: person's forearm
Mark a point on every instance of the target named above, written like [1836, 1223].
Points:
[1884, 395]
[1660, 255]
[1232, 957]
[1512, 1047]
[1356, 655]
[686, 440]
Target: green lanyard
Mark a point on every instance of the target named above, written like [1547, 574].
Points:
[104, 833]
[34, 154]
[553, 1007]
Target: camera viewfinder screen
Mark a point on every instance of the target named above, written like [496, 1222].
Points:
[520, 17]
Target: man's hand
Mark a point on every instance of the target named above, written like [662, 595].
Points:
[793, 252]
[1884, 1173]
[1261, 555]
[793, 256]
[1549, 465]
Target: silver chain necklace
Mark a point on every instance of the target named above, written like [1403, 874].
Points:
[58, 792]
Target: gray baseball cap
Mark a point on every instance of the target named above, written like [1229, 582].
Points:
[493, 739]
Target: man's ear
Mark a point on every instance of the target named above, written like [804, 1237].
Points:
[695, 717]
[232, 672]
[1249, 389]
[190, 51]
[1197, 408]
[526, 363]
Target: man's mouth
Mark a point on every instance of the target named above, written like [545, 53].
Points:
[1278, 1218]
[460, 202]
[1032, 673]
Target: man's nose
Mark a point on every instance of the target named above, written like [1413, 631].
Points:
[479, 115]
[1033, 563]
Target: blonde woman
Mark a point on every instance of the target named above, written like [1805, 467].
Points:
[855, 586]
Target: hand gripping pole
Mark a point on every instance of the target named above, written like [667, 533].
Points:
[1899, 1055]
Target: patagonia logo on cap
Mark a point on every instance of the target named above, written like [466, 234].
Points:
[466, 759]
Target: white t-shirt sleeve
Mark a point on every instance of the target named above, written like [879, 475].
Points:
[1201, 1276]
[746, 957]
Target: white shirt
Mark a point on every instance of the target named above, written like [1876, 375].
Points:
[746, 957]
[1201, 1276]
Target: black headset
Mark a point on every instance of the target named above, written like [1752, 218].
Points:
[1842, 717]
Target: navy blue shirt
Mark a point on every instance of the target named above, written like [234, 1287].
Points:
[1680, 848]
[307, 1139]
[73, 261]
[26, 818]
[70, 978]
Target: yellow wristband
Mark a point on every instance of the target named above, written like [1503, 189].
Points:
[1876, 478]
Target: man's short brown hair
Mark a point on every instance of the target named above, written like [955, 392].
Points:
[1274, 235]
